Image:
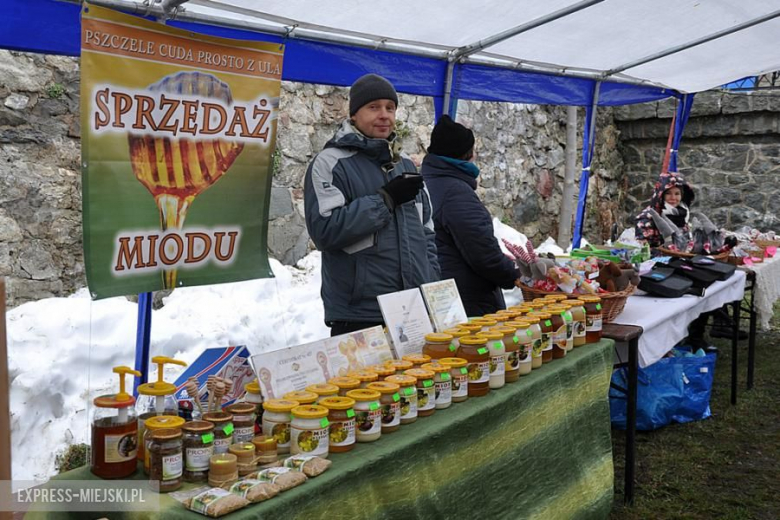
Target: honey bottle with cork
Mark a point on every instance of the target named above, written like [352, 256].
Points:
[156, 398]
[115, 431]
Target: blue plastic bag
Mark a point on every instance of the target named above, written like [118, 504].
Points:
[674, 389]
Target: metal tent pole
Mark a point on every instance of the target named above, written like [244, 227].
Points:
[588, 139]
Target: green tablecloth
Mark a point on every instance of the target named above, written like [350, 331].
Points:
[537, 448]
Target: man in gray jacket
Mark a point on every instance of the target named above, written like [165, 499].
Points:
[368, 212]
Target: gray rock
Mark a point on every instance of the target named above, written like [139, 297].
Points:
[35, 262]
[716, 196]
[706, 104]
[756, 201]
[287, 239]
[20, 73]
[527, 210]
[735, 103]
[11, 118]
[22, 290]
[281, 203]
[9, 229]
[17, 101]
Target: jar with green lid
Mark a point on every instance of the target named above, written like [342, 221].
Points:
[323, 390]
[426, 391]
[276, 422]
[408, 392]
[437, 345]
[368, 414]
[459, 377]
[495, 343]
[198, 445]
[546, 326]
[442, 382]
[475, 351]
[165, 460]
[243, 421]
[577, 310]
[309, 431]
[345, 384]
[390, 401]
[512, 349]
[341, 416]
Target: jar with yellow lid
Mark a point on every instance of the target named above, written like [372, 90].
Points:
[456, 334]
[223, 430]
[569, 319]
[158, 422]
[442, 382]
[390, 401]
[545, 324]
[383, 371]
[254, 395]
[536, 339]
[512, 349]
[495, 343]
[510, 315]
[577, 310]
[198, 443]
[368, 414]
[323, 390]
[399, 365]
[309, 432]
[475, 351]
[408, 392]
[438, 345]
[364, 375]
[537, 305]
[341, 416]
[558, 335]
[303, 397]
[417, 359]
[459, 377]
[556, 297]
[276, 422]
[472, 328]
[524, 336]
[593, 318]
[426, 391]
[243, 421]
[345, 384]
[486, 323]
[498, 318]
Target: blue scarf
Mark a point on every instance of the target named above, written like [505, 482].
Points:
[466, 166]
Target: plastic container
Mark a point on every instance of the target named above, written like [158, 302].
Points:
[390, 401]
[577, 310]
[546, 326]
[426, 391]
[439, 345]
[323, 390]
[254, 396]
[309, 431]
[417, 360]
[442, 382]
[399, 365]
[341, 416]
[495, 343]
[368, 414]
[156, 398]
[558, 335]
[345, 384]
[166, 460]
[524, 336]
[243, 421]
[512, 349]
[158, 422]
[475, 351]
[198, 444]
[593, 318]
[408, 393]
[459, 377]
[276, 422]
[365, 376]
[115, 432]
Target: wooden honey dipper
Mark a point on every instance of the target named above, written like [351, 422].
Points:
[193, 390]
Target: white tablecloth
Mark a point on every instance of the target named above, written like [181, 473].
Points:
[665, 320]
[767, 289]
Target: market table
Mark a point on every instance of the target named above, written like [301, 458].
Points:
[763, 282]
[537, 448]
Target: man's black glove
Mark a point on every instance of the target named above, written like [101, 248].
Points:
[401, 189]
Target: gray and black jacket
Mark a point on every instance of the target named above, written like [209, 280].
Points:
[366, 249]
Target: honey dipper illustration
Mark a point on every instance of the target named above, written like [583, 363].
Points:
[177, 170]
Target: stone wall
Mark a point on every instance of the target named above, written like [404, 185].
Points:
[730, 152]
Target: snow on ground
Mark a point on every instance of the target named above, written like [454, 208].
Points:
[61, 350]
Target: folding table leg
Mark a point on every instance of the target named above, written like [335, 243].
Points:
[633, 368]
[752, 336]
[734, 340]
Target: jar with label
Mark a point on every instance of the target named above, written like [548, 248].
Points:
[569, 319]
[486, 323]
[459, 377]
[495, 345]
[166, 460]
[577, 310]
[303, 397]
[383, 371]
[438, 345]
[545, 324]
[345, 384]
[198, 443]
[512, 349]
[524, 336]
[537, 304]
[158, 423]
[276, 421]
[511, 314]
[364, 375]
[400, 365]
[500, 319]
[442, 382]
[390, 401]
[368, 415]
[155, 398]
[408, 392]
[556, 297]
[323, 390]
[254, 396]
[475, 351]
[558, 336]
[341, 416]
[593, 318]
[426, 391]
[417, 360]
[309, 432]
[265, 449]
[245, 457]
[456, 334]
[472, 328]
[536, 339]
[223, 430]
[243, 421]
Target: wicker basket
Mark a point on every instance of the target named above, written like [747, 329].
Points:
[668, 252]
[767, 243]
[611, 303]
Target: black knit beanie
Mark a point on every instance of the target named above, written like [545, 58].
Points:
[369, 88]
[451, 139]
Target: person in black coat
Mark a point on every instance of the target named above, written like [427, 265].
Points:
[467, 249]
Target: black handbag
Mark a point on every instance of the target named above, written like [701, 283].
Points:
[722, 269]
[700, 276]
[662, 281]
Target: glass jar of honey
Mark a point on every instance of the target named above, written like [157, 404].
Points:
[546, 326]
[438, 345]
[459, 377]
[512, 349]
[577, 310]
[475, 351]
[593, 318]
